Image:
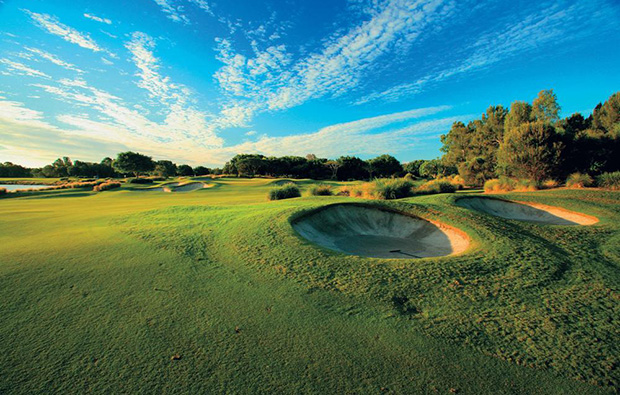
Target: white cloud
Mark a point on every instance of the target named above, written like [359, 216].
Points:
[98, 19]
[53, 58]
[172, 12]
[550, 26]
[270, 80]
[106, 61]
[53, 26]
[22, 69]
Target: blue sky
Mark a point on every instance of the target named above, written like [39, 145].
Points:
[198, 81]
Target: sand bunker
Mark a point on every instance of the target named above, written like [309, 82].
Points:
[526, 211]
[379, 233]
[178, 187]
[192, 186]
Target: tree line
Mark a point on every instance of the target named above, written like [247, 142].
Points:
[531, 141]
[527, 141]
[242, 165]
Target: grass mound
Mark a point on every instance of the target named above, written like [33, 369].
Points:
[609, 181]
[286, 191]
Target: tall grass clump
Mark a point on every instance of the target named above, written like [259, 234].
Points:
[285, 191]
[321, 190]
[502, 184]
[579, 180]
[609, 181]
[437, 186]
[106, 186]
[386, 189]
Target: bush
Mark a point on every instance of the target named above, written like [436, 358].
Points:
[395, 188]
[550, 183]
[502, 184]
[141, 181]
[285, 191]
[524, 185]
[579, 180]
[505, 184]
[321, 190]
[344, 191]
[106, 186]
[437, 186]
[609, 181]
[409, 177]
[3, 191]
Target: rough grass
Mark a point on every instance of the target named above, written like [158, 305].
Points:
[99, 291]
[286, 191]
[506, 184]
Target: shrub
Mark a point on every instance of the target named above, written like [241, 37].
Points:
[409, 177]
[321, 190]
[396, 188]
[609, 181]
[106, 186]
[285, 191]
[579, 180]
[502, 184]
[550, 183]
[524, 185]
[437, 186]
[141, 181]
[344, 191]
[3, 191]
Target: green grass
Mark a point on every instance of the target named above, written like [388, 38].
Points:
[98, 291]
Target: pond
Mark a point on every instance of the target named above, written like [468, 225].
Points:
[11, 187]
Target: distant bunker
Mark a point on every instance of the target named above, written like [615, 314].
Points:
[526, 211]
[379, 233]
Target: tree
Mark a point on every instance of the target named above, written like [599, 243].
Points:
[520, 113]
[606, 117]
[545, 107]
[133, 162]
[201, 171]
[413, 167]
[352, 168]
[430, 169]
[165, 168]
[333, 165]
[530, 151]
[384, 166]
[250, 166]
[185, 170]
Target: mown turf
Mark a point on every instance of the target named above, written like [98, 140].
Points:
[98, 292]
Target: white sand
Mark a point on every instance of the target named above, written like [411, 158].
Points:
[367, 231]
[526, 211]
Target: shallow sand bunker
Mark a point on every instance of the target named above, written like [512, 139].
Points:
[378, 233]
[526, 211]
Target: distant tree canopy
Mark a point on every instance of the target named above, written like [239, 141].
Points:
[185, 170]
[531, 141]
[526, 141]
[134, 163]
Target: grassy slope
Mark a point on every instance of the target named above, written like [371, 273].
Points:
[98, 292]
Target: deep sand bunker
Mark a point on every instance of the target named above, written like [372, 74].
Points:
[526, 211]
[379, 233]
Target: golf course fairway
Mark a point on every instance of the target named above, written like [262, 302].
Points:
[213, 291]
